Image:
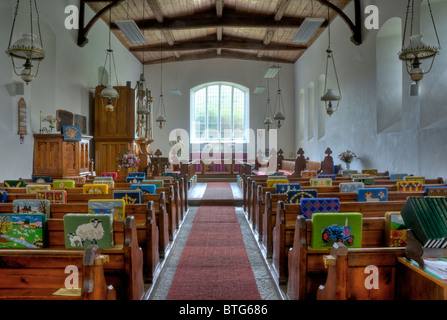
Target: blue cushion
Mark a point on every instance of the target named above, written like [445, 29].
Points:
[146, 188]
[295, 196]
[134, 179]
[332, 176]
[137, 174]
[372, 194]
[3, 196]
[435, 191]
[318, 205]
[284, 187]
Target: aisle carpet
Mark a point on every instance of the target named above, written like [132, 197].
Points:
[218, 190]
[214, 264]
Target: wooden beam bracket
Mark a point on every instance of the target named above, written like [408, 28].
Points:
[356, 27]
[85, 29]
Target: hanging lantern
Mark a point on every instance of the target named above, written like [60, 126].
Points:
[279, 113]
[27, 49]
[417, 51]
[268, 110]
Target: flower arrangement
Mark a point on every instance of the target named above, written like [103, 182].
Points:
[51, 119]
[128, 160]
[347, 156]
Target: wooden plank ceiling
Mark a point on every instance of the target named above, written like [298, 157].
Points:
[180, 30]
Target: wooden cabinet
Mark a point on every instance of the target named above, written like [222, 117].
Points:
[57, 158]
[114, 132]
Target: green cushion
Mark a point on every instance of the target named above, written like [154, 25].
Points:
[82, 230]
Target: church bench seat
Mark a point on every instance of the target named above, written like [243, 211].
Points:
[348, 269]
[38, 274]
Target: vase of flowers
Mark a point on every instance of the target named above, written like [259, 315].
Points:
[128, 160]
[52, 122]
[347, 157]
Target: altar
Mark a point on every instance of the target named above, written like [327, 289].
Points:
[217, 163]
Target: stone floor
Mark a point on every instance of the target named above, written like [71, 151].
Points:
[267, 287]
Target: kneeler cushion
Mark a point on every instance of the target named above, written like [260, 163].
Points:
[44, 179]
[415, 178]
[296, 196]
[348, 173]
[54, 196]
[145, 188]
[318, 205]
[331, 176]
[159, 183]
[115, 207]
[82, 230]
[273, 182]
[309, 174]
[3, 196]
[103, 179]
[129, 196]
[372, 194]
[25, 231]
[64, 183]
[114, 175]
[371, 172]
[435, 191]
[409, 186]
[328, 228]
[398, 176]
[14, 183]
[95, 188]
[321, 182]
[350, 186]
[33, 188]
[137, 174]
[366, 180]
[285, 187]
[110, 183]
[25, 206]
[134, 180]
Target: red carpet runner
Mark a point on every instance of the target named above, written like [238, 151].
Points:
[214, 264]
[218, 190]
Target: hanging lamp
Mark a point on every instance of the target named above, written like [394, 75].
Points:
[417, 51]
[161, 117]
[279, 113]
[109, 93]
[27, 48]
[331, 97]
[268, 110]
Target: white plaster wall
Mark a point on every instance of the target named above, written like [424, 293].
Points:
[66, 79]
[188, 74]
[413, 149]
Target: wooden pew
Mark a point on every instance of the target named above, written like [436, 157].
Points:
[37, 274]
[346, 278]
[305, 266]
[125, 268]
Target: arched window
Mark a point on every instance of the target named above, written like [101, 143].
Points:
[219, 113]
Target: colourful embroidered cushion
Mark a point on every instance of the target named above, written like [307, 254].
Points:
[331, 176]
[137, 174]
[371, 172]
[41, 179]
[360, 175]
[64, 183]
[321, 182]
[114, 175]
[25, 206]
[366, 180]
[129, 196]
[296, 196]
[350, 186]
[309, 174]
[175, 175]
[328, 228]
[372, 194]
[318, 205]
[54, 196]
[24, 231]
[409, 186]
[103, 179]
[110, 183]
[435, 191]
[115, 207]
[95, 188]
[348, 173]
[146, 188]
[14, 183]
[33, 188]
[134, 180]
[158, 183]
[415, 178]
[284, 187]
[398, 176]
[3, 196]
[273, 182]
[79, 180]
[395, 230]
[82, 230]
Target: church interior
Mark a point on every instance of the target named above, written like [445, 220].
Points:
[223, 150]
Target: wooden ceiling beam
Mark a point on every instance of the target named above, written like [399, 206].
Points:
[230, 19]
[224, 54]
[230, 43]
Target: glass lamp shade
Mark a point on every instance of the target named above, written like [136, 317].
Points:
[161, 119]
[110, 94]
[417, 49]
[328, 97]
[26, 48]
[279, 117]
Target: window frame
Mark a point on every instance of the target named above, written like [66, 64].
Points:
[246, 93]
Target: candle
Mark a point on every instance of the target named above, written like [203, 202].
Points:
[40, 130]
